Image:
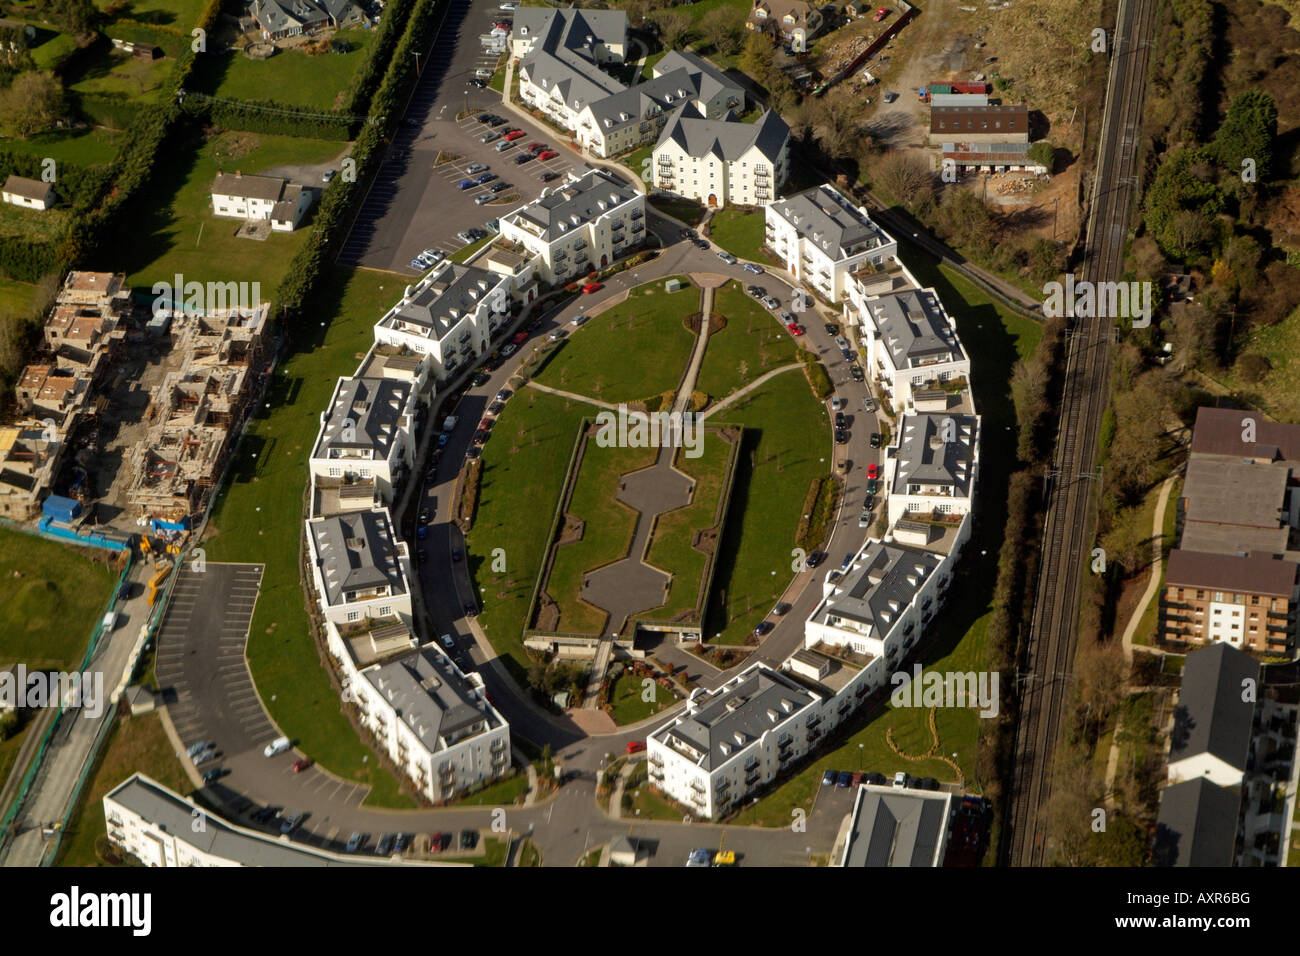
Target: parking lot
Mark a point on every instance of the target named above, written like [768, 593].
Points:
[414, 202]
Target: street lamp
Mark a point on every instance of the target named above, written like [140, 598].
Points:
[416, 54]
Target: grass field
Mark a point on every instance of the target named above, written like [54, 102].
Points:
[259, 517]
[607, 532]
[174, 15]
[53, 595]
[687, 210]
[51, 49]
[524, 468]
[83, 147]
[134, 744]
[176, 232]
[752, 343]
[627, 706]
[323, 81]
[16, 298]
[1279, 393]
[47, 225]
[787, 445]
[739, 230]
[670, 548]
[123, 76]
[606, 359]
[503, 793]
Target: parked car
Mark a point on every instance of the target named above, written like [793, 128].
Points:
[857, 778]
[438, 840]
[201, 746]
[465, 236]
[855, 372]
[547, 154]
[869, 404]
[864, 519]
[355, 841]
[875, 440]
[485, 178]
[466, 184]
[471, 610]
[828, 778]
[473, 168]
[468, 839]
[483, 199]
[291, 822]
[301, 764]
[591, 287]
[498, 187]
[901, 780]
[477, 83]
[580, 319]
[873, 470]
[795, 328]
[728, 258]
[484, 117]
[547, 177]
[875, 779]
[535, 147]
[508, 350]
[841, 343]
[328, 175]
[771, 302]
[385, 845]
[881, 14]
[780, 609]
[489, 138]
[832, 328]
[514, 134]
[401, 842]
[635, 746]
[872, 486]
[757, 291]
[751, 268]
[505, 144]
[700, 858]
[764, 627]
[816, 558]
[841, 436]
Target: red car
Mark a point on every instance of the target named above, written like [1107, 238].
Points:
[881, 14]
[504, 24]
[546, 154]
[873, 470]
[635, 746]
[536, 147]
[519, 338]
[592, 287]
[515, 134]
[301, 765]
[796, 329]
[857, 779]
[437, 841]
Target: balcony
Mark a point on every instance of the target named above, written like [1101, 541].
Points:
[697, 786]
[752, 778]
[498, 745]
[637, 214]
[616, 226]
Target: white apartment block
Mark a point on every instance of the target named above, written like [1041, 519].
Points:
[731, 741]
[367, 433]
[583, 224]
[721, 162]
[361, 569]
[931, 467]
[449, 316]
[910, 342]
[434, 721]
[824, 241]
[157, 827]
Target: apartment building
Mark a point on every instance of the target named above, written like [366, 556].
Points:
[1247, 601]
[824, 241]
[434, 721]
[448, 316]
[733, 740]
[367, 434]
[881, 605]
[260, 197]
[890, 826]
[1214, 719]
[361, 568]
[583, 224]
[158, 827]
[722, 162]
[999, 124]
[931, 467]
[910, 343]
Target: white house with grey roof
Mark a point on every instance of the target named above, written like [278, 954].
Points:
[910, 341]
[824, 240]
[361, 568]
[735, 739]
[1214, 719]
[722, 162]
[260, 197]
[157, 826]
[434, 721]
[367, 433]
[881, 605]
[279, 19]
[448, 316]
[585, 223]
[931, 466]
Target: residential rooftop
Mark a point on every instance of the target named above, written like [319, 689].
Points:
[366, 415]
[915, 328]
[825, 217]
[432, 697]
[357, 552]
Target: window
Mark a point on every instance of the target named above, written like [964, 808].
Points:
[385, 610]
[354, 615]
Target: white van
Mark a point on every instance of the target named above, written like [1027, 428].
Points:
[277, 746]
[110, 622]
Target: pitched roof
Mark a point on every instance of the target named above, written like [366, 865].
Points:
[564, 208]
[880, 585]
[1221, 431]
[1252, 574]
[897, 828]
[356, 551]
[726, 139]
[369, 410]
[825, 217]
[431, 696]
[1211, 716]
[956, 120]
[448, 294]
[1197, 825]
[932, 452]
[265, 188]
[561, 57]
[914, 327]
[28, 188]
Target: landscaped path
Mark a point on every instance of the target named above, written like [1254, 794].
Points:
[1157, 565]
[573, 396]
[742, 392]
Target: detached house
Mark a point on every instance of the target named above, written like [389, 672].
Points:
[794, 21]
[28, 193]
[260, 197]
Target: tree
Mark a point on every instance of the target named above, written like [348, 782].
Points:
[907, 178]
[33, 104]
[1043, 153]
[74, 17]
[1248, 132]
[756, 57]
[724, 28]
[836, 125]
[674, 26]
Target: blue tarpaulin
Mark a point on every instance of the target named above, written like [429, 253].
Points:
[59, 508]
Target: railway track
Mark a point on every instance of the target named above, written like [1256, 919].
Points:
[1045, 682]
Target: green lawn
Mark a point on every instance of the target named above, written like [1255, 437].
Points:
[651, 806]
[464, 252]
[83, 147]
[9, 753]
[648, 67]
[175, 15]
[670, 548]
[134, 744]
[16, 298]
[51, 49]
[740, 231]
[524, 468]
[627, 705]
[1279, 393]
[122, 76]
[752, 343]
[503, 793]
[606, 358]
[54, 595]
[176, 232]
[607, 532]
[687, 210]
[259, 517]
[323, 81]
[638, 162]
[787, 445]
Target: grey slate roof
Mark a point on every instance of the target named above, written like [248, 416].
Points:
[706, 79]
[446, 296]
[28, 188]
[555, 211]
[881, 584]
[897, 828]
[735, 716]
[726, 139]
[915, 328]
[267, 188]
[276, 17]
[1211, 717]
[356, 551]
[171, 813]
[826, 219]
[560, 55]
[1197, 825]
[1235, 492]
[924, 457]
[372, 408]
[430, 696]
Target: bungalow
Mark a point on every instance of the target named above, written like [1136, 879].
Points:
[28, 193]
